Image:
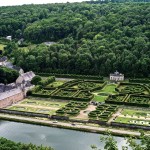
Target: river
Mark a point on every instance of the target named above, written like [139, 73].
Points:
[59, 139]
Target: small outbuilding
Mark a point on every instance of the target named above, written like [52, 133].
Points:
[116, 76]
[9, 38]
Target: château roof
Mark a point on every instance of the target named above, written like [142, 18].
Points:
[116, 73]
[27, 76]
[4, 58]
[8, 87]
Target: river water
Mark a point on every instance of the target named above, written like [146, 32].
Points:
[59, 139]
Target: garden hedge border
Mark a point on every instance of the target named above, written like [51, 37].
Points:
[71, 76]
[126, 83]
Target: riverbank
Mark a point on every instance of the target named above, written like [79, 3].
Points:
[75, 126]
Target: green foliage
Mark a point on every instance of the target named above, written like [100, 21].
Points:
[139, 80]
[10, 48]
[8, 75]
[72, 108]
[132, 100]
[74, 76]
[10, 145]
[36, 80]
[47, 81]
[91, 39]
[111, 144]
[102, 112]
[131, 88]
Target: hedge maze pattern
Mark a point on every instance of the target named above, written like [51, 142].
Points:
[72, 109]
[132, 100]
[132, 88]
[71, 90]
[102, 112]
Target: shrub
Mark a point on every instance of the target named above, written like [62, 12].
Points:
[36, 79]
[47, 81]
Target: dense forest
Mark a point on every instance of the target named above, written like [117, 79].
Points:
[10, 145]
[89, 38]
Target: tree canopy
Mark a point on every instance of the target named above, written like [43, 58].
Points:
[8, 75]
[90, 38]
[10, 145]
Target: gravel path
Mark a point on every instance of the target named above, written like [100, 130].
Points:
[42, 107]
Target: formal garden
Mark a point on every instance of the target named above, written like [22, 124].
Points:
[72, 109]
[131, 100]
[89, 100]
[38, 106]
[103, 112]
[132, 88]
[132, 121]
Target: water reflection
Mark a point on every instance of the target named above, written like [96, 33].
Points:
[59, 139]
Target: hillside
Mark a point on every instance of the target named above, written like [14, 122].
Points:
[90, 38]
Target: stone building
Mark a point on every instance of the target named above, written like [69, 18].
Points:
[3, 60]
[8, 98]
[14, 92]
[9, 37]
[25, 77]
[116, 76]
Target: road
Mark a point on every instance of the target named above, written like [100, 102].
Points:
[69, 125]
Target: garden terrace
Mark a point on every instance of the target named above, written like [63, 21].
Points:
[131, 88]
[84, 95]
[64, 93]
[138, 100]
[32, 109]
[72, 109]
[136, 113]
[132, 121]
[73, 76]
[103, 112]
[43, 103]
[38, 106]
[145, 80]
[80, 105]
[131, 100]
[43, 93]
[89, 85]
[55, 84]
[71, 83]
[116, 99]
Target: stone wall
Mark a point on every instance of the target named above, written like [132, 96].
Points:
[131, 126]
[11, 100]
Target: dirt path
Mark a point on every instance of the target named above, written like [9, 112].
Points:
[83, 114]
[64, 124]
[115, 115]
[33, 106]
[64, 79]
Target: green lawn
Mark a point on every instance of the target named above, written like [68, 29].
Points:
[108, 89]
[44, 103]
[132, 121]
[133, 112]
[2, 46]
[99, 98]
[31, 109]
[55, 84]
